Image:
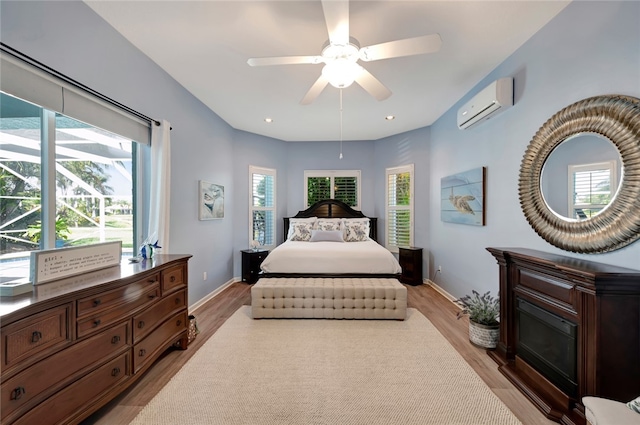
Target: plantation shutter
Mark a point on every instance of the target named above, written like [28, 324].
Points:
[343, 185]
[263, 202]
[399, 207]
[346, 190]
[592, 188]
[318, 188]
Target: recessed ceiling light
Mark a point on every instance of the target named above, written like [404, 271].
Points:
[390, 117]
[268, 120]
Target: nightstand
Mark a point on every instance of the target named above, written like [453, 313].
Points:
[410, 259]
[251, 261]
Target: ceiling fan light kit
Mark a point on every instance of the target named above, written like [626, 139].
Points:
[342, 52]
[341, 73]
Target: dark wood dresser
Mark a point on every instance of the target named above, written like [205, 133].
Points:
[568, 328]
[74, 344]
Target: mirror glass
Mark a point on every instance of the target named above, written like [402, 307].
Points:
[599, 134]
[581, 176]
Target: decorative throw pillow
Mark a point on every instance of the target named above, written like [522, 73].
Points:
[634, 405]
[310, 221]
[356, 230]
[326, 236]
[328, 224]
[300, 231]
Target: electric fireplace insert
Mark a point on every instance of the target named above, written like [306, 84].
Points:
[548, 343]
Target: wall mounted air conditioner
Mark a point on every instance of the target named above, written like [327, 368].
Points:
[491, 100]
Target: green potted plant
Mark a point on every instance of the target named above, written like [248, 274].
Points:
[483, 311]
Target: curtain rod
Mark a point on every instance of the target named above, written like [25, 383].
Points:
[17, 54]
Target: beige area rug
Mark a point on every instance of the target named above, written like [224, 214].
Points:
[284, 371]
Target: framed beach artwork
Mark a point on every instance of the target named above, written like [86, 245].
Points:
[211, 201]
[462, 197]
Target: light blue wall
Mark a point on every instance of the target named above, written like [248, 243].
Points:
[69, 37]
[325, 156]
[407, 148]
[590, 48]
[250, 149]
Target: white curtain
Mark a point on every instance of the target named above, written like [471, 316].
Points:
[160, 187]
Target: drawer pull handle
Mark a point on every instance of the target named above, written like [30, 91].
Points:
[172, 279]
[141, 324]
[115, 339]
[151, 281]
[178, 322]
[152, 296]
[36, 336]
[115, 371]
[17, 393]
[96, 323]
[178, 300]
[142, 352]
[97, 302]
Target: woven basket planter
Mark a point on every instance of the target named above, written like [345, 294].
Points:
[484, 336]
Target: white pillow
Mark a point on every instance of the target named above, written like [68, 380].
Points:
[326, 236]
[356, 229]
[306, 221]
[634, 405]
[328, 224]
[300, 232]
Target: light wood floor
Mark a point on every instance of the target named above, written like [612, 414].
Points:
[440, 311]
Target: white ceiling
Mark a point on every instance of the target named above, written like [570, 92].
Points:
[204, 45]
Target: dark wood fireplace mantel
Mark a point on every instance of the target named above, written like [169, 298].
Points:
[603, 301]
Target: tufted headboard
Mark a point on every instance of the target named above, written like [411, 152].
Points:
[332, 208]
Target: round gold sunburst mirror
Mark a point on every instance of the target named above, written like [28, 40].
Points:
[615, 222]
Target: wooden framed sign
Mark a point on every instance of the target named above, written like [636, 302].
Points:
[59, 263]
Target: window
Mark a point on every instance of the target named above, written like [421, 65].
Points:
[67, 166]
[399, 207]
[86, 183]
[262, 206]
[343, 185]
[592, 187]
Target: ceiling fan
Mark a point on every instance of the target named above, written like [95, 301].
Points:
[341, 53]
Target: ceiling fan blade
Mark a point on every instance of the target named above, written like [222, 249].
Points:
[336, 15]
[406, 47]
[284, 60]
[372, 85]
[315, 90]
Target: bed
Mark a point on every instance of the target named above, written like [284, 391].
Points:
[331, 267]
[357, 254]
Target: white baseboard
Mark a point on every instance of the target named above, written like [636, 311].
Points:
[442, 292]
[212, 294]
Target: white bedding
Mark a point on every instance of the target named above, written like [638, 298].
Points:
[331, 257]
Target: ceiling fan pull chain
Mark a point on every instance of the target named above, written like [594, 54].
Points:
[340, 123]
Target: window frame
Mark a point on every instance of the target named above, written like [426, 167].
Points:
[54, 93]
[49, 185]
[332, 175]
[611, 166]
[253, 169]
[409, 168]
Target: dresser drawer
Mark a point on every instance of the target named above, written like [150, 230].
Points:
[29, 338]
[149, 319]
[46, 376]
[74, 398]
[173, 278]
[106, 300]
[150, 347]
[103, 318]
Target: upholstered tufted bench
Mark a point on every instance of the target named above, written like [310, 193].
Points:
[329, 298]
